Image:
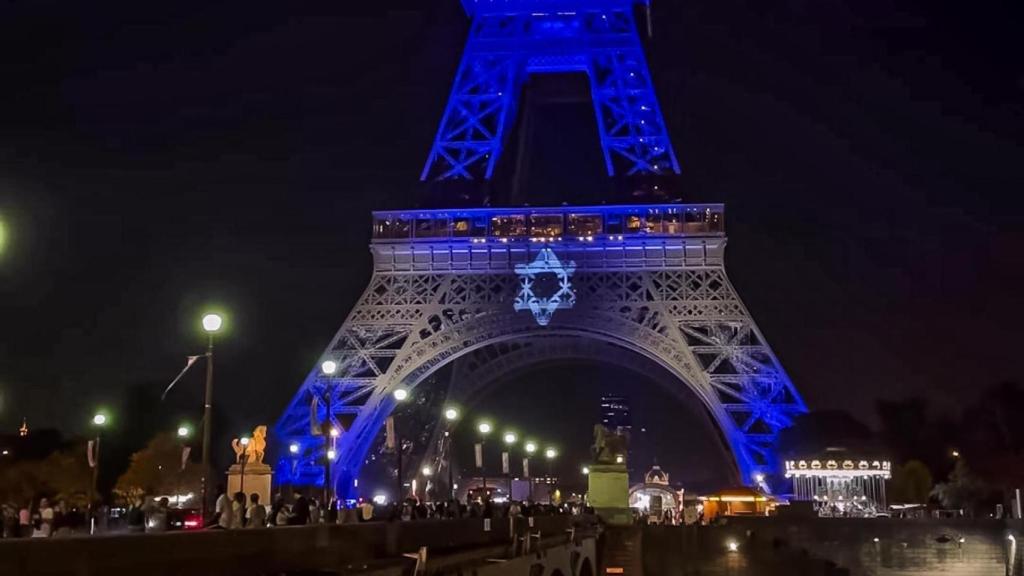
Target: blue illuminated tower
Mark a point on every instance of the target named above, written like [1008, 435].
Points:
[511, 39]
[492, 291]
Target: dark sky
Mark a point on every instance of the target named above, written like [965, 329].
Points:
[156, 158]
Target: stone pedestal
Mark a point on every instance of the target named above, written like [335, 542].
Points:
[256, 480]
[608, 493]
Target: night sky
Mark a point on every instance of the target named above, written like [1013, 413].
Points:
[158, 158]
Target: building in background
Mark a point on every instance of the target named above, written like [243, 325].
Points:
[615, 413]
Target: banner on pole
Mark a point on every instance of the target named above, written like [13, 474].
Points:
[314, 416]
[526, 467]
[185, 451]
[90, 453]
[389, 433]
[504, 462]
[478, 451]
[189, 361]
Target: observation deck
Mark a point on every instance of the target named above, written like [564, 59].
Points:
[473, 7]
[596, 237]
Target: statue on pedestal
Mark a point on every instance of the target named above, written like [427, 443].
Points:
[608, 446]
[249, 474]
[254, 449]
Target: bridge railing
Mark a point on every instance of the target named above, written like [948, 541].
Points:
[261, 551]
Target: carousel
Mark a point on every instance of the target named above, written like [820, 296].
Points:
[655, 498]
[839, 484]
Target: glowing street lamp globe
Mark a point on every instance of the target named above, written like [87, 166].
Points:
[331, 454]
[530, 447]
[401, 394]
[550, 453]
[451, 414]
[484, 427]
[335, 433]
[427, 471]
[510, 438]
[293, 448]
[212, 322]
[329, 367]
[586, 470]
[99, 419]
[244, 441]
[183, 431]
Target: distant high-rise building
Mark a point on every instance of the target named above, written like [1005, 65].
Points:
[615, 413]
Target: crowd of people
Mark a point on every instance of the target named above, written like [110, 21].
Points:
[41, 519]
[237, 511]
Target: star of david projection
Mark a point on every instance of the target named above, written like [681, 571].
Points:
[543, 307]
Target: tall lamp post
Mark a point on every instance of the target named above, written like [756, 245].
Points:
[530, 448]
[244, 441]
[329, 368]
[550, 454]
[212, 324]
[484, 428]
[184, 431]
[451, 415]
[510, 440]
[99, 420]
[401, 395]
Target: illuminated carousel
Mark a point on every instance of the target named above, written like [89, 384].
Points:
[839, 485]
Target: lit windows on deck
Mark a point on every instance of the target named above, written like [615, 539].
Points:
[552, 224]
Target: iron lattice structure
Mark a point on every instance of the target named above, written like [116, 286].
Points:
[510, 39]
[648, 286]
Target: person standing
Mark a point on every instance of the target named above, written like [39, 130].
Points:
[256, 517]
[45, 529]
[136, 516]
[222, 509]
[366, 511]
[25, 520]
[300, 512]
[238, 511]
[156, 516]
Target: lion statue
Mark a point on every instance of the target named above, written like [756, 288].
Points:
[253, 451]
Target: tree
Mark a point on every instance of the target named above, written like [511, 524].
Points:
[962, 490]
[911, 483]
[157, 470]
[63, 475]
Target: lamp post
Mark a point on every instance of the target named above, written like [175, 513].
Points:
[244, 441]
[184, 431]
[530, 448]
[484, 428]
[401, 395]
[510, 440]
[99, 420]
[211, 324]
[329, 367]
[451, 415]
[550, 454]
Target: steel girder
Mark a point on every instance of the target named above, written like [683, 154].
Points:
[689, 320]
[505, 46]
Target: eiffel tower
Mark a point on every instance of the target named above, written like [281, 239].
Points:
[493, 291]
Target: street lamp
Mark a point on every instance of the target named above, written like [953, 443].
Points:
[510, 440]
[329, 367]
[244, 441]
[293, 448]
[401, 395]
[530, 448]
[451, 414]
[550, 453]
[212, 324]
[99, 420]
[184, 431]
[484, 428]
[586, 470]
